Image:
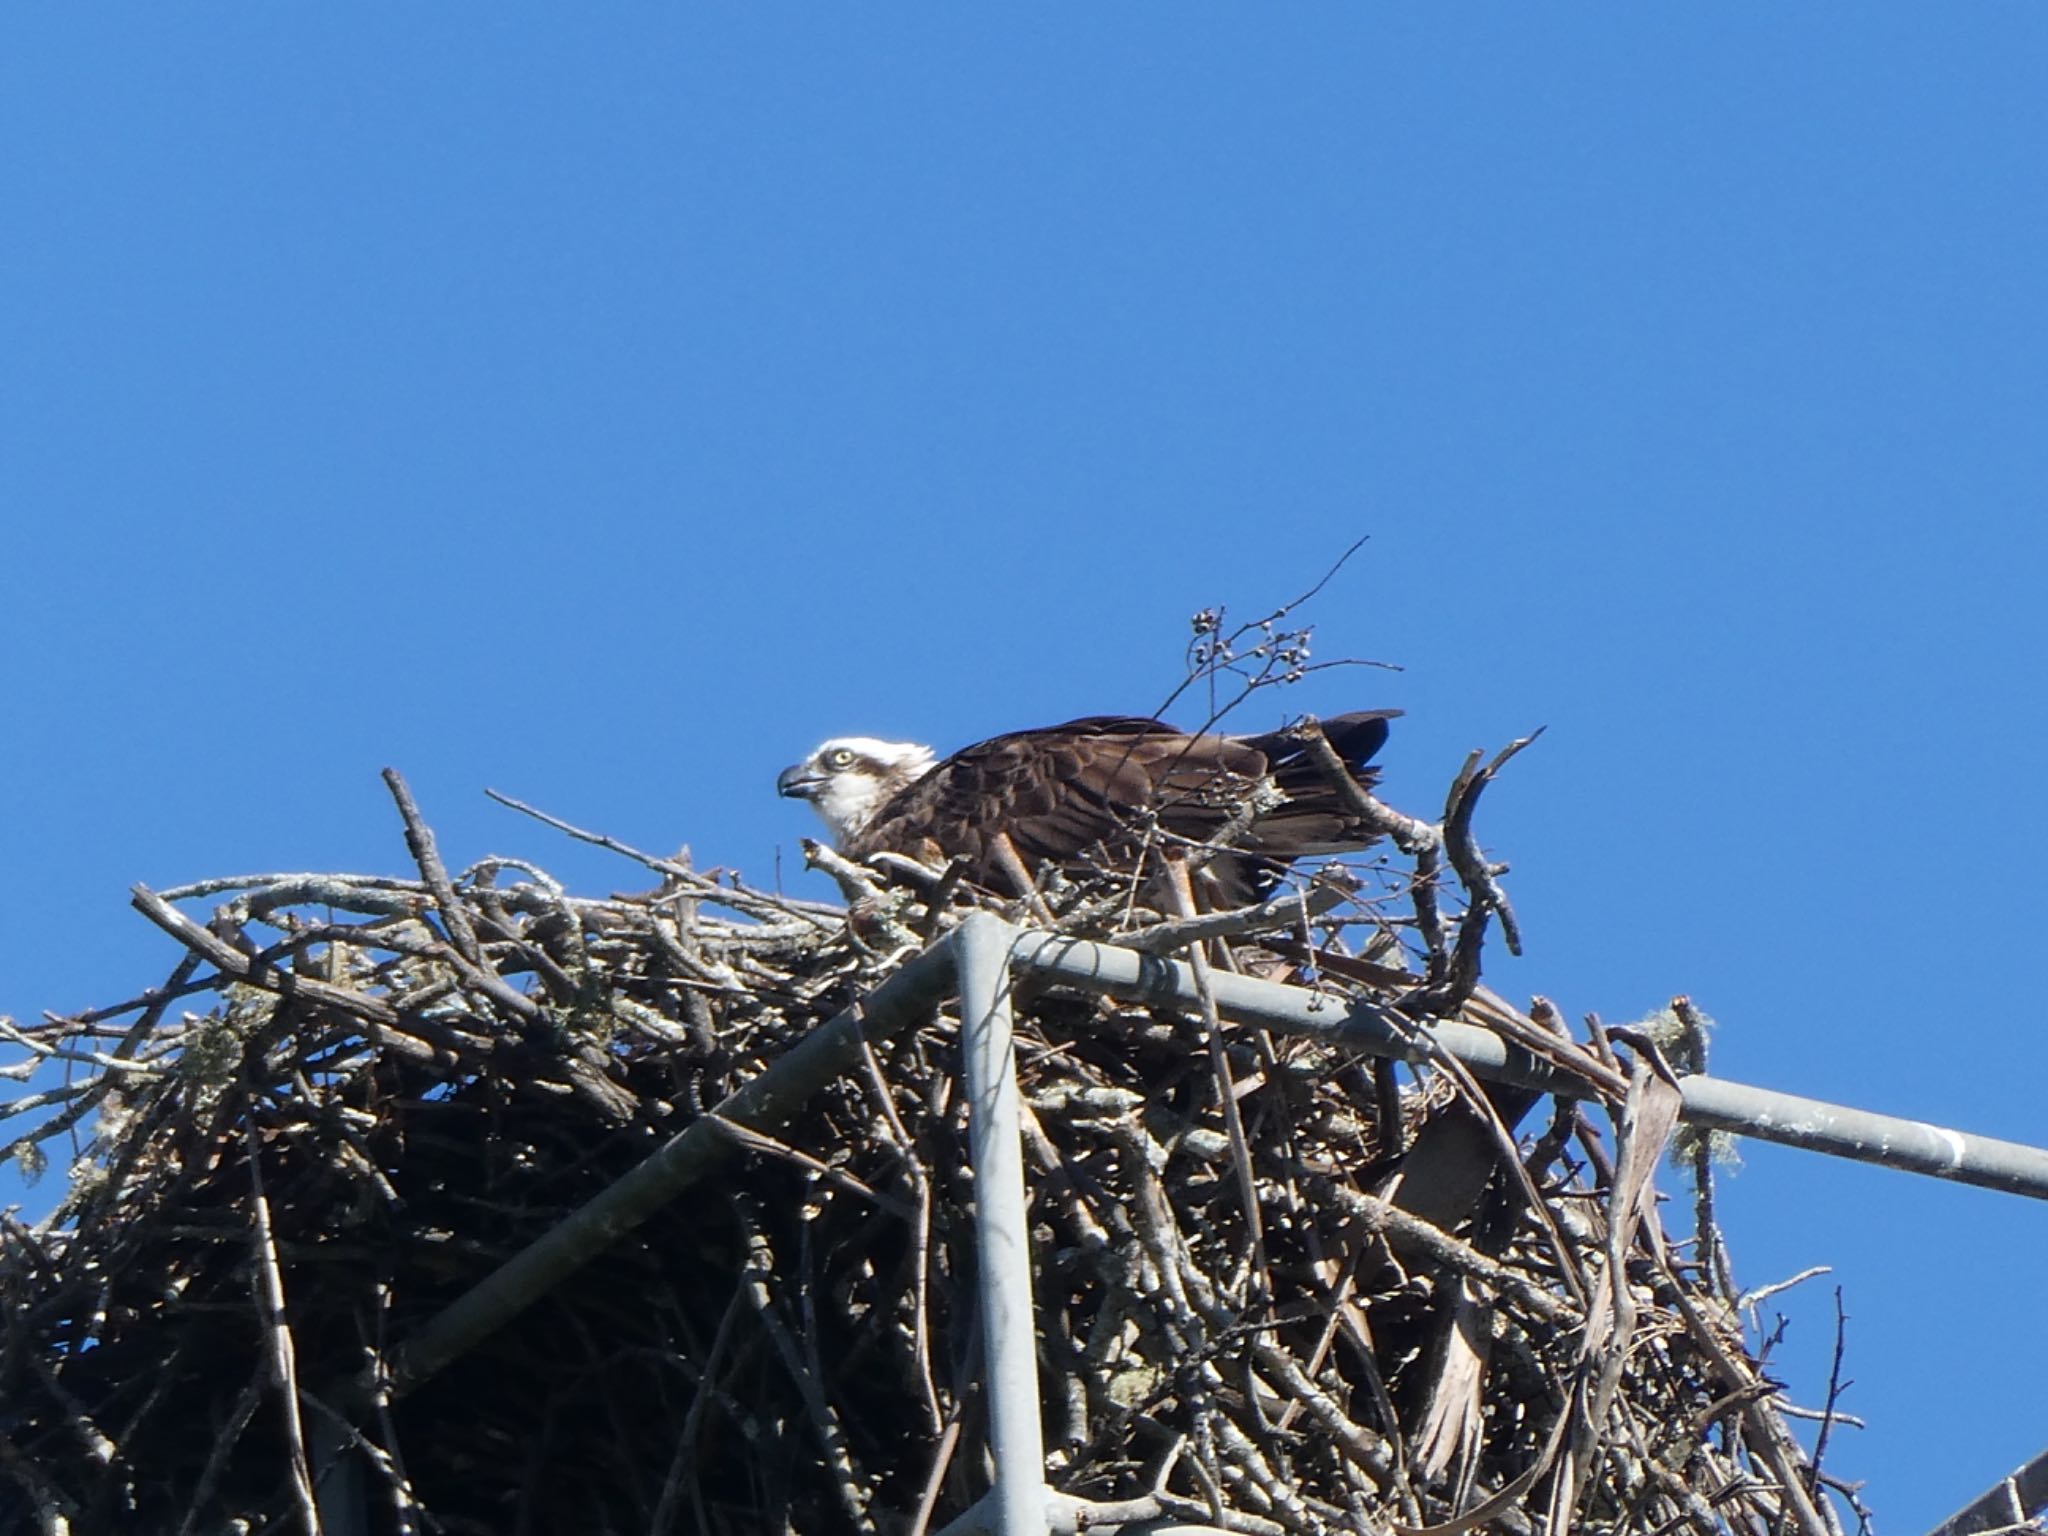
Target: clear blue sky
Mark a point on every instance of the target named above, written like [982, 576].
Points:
[604, 404]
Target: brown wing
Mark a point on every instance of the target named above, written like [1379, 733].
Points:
[1063, 791]
[1312, 820]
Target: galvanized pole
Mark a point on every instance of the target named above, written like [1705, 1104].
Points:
[1764, 1113]
[1002, 1232]
[2008, 1506]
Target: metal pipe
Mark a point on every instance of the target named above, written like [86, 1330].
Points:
[1868, 1137]
[1760, 1112]
[2006, 1506]
[1002, 1232]
[340, 1488]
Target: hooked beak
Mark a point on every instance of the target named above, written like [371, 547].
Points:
[793, 782]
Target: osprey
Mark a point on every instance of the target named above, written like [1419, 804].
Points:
[1105, 789]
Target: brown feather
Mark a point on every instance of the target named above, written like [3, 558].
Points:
[1093, 790]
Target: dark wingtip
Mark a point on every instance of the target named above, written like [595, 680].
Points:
[1356, 737]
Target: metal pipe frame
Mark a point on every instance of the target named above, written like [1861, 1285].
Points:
[980, 961]
[1764, 1113]
[1002, 1227]
[2006, 1506]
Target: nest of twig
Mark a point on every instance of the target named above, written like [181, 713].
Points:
[1338, 1306]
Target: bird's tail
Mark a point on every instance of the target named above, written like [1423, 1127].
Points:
[1313, 820]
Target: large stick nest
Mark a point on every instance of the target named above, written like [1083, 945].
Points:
[356, 1096]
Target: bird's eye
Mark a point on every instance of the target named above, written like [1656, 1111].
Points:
[839, 757]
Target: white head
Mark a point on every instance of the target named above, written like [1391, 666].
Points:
[848, 778]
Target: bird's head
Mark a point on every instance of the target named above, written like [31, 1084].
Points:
[849, 778]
